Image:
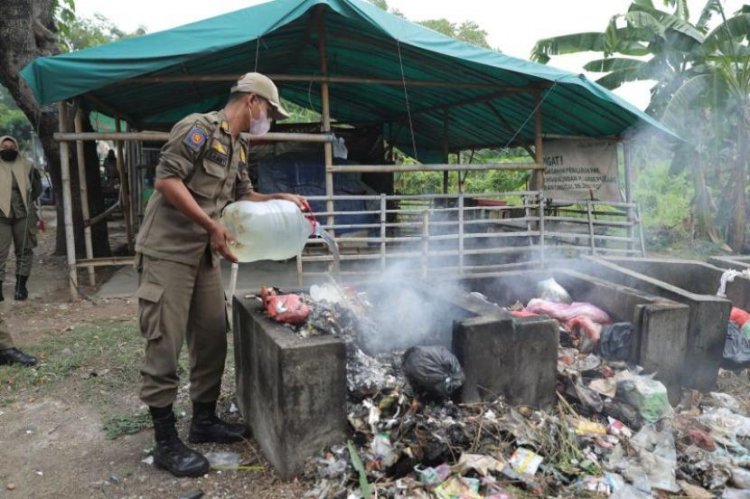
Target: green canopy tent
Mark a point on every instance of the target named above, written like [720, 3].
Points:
[401, 74]
[350, 61]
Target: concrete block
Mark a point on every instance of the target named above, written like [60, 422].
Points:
[707, 322]
[292, 391]
[660, 325]
[515, 358]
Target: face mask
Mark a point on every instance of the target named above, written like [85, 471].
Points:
[8, 155]
[261, 125]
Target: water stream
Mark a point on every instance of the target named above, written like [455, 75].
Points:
[333, 248]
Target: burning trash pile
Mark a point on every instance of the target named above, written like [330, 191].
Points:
[612, 434]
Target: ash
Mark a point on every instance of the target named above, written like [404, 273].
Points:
[347, 314]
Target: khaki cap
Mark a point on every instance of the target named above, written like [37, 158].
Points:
[259, 84]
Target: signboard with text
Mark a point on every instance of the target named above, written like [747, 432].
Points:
[577, 170]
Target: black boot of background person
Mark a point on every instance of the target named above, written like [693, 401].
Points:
[207, 427]
[170, 453]
[15, 356]
[21, 292]
[2, 298]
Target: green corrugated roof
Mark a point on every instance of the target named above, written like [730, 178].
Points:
[362, 41]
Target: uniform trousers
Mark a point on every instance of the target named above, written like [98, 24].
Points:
[180, 303]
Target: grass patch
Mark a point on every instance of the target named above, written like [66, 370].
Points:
[122, 424]
[105, 357]
[97, 365]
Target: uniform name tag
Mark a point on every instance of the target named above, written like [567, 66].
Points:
[217, 157]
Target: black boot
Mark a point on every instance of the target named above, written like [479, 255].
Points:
[15, 356]
[21, 292]
[170, 453]
[2, 298]
[207, 427]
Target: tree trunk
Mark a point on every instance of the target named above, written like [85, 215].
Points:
[704, 210]
[739, 184]
[27, 31]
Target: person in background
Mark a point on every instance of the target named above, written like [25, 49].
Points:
[20, 186]
[202, 167]
[110, 167]
[9, 354]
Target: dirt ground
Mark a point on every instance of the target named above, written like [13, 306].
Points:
[57, 420]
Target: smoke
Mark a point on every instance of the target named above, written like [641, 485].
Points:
[408, 312]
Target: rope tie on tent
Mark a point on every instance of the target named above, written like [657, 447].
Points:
[257, 53]
[531, 114]
[406, 97]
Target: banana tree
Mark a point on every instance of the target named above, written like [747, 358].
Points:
[700, 90]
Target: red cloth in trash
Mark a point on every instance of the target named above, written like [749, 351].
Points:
[587, 330]
[739, 316]
[288, 309]
[523, 313]
[582, 324]
[564, 312]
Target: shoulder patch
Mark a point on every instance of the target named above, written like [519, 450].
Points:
[218, 146]
[196, 137]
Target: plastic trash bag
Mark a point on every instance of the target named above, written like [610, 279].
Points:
[736, 348]
[433, 371]
[647, 395]
[616, 340]
[287, 309]
[563, 312]
[550, 290]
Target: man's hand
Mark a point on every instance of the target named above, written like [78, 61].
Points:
[220, 241]
[300, 201]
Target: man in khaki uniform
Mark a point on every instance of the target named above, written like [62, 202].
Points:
[201, 169]
[9, 354]
[20, 186]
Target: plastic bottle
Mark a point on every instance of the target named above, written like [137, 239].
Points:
[267, 230]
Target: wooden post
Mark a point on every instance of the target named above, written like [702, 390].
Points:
[592, 241]
[542, 252]
[124, 189]
[70, 245]
[627, 166]
[84, 195]
[538, 148]
[326, 120]
[383, 232]
[425, 242]
[446, 150]
[460, 232]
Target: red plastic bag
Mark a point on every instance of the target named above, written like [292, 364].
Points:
[739, 316]
[587, 330]
[288, 309]
[564, 312]
[523, 313]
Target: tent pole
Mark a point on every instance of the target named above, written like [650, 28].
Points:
[83, 185]
[164, 136]
[326, 119]
[446, 150]
[124, 189]
[70, 245]
[627, 166]
[538, 147]
[539, 172]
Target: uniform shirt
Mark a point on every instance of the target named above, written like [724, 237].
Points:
[201, 153]
[17, 208]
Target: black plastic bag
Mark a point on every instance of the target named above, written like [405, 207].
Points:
[736, 348]
[433, 371]
[616, 340]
